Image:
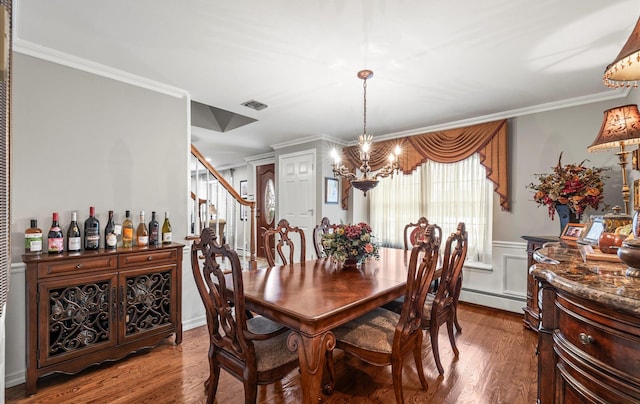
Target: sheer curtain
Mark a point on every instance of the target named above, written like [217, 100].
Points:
[445, 194]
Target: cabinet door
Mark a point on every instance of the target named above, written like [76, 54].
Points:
[76, 316]
[148, 299]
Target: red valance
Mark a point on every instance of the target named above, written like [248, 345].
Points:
[449, 146]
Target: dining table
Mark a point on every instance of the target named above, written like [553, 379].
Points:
[316, 296]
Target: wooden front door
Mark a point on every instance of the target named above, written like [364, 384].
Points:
[265, 203]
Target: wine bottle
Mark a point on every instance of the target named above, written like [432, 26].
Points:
[166, 230]
[154, 230]
[55, 239]
[127, 231]
[33, 238]
[110, 236]
[91, 231]
[142, 234]
[74, 238]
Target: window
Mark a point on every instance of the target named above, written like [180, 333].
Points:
[445, 194]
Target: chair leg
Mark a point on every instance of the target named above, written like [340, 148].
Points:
[250, 390]
[455, 304]
[452, 338]
[433, 332]
[455, 318]
[417, 357]
[211, 384]
[331, 373]
[396, 376]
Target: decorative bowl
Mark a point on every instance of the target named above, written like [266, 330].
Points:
[629, 253]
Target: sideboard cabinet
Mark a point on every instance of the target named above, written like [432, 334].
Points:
[531, 314]
[89, 307]
[589, 330]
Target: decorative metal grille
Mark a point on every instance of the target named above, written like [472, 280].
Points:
[79, 317]
[148, 302]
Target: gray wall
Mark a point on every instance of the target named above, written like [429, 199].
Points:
[79, 139]
[536, 141]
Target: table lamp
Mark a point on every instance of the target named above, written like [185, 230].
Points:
[620, 128]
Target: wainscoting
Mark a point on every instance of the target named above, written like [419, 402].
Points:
[504, 285]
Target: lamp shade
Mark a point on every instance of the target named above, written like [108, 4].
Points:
[625, 69]
[620, 126]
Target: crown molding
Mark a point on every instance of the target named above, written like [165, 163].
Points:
[261, 159]
[309, 139]
[65, 59]
[534, 109]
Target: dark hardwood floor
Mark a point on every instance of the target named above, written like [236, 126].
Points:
[497, 364]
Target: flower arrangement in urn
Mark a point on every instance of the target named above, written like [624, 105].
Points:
[573, 185]
[350, 242]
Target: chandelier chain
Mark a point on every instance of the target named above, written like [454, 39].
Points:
[364, 86]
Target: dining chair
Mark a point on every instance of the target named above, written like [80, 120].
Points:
[253, 350]
[382, 337]
[440, 308]
[325, 227]
[281, 233]
[414, 234]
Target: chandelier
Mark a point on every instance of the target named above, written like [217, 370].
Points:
[367, 179]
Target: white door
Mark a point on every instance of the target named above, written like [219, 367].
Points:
[297, 192]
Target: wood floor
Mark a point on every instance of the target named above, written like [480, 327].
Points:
[497, 364]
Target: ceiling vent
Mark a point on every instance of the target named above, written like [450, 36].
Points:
[253, 104]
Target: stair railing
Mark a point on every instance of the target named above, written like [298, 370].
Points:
[215, 203]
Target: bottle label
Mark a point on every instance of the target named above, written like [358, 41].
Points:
[56, 245]
[111, 240]
[143, 240]
[75, 243]
[166, 237]
[33, 242]
[92, 241]
[153, 237]
[127, 233]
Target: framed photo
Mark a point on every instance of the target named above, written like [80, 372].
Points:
[243, 212]
[571, 233]
[592, 230]
[331, 190]
[243, 189]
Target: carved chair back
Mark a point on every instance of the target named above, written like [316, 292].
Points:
[442, 307]
[283, 241]
[225, 310]
[422, 266]
[325, 227]
[414, 232]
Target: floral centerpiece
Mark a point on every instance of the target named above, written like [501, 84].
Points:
[573, 185]
[350, 242]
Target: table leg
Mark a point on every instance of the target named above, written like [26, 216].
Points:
[311, 352]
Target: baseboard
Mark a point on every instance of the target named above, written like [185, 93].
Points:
[194, 323]
[15, 378]
[496, 301]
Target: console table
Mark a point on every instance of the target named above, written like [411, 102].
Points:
[531, 315]
[89, 307]
[589, 336]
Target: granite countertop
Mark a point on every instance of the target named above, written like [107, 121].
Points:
[601, 281]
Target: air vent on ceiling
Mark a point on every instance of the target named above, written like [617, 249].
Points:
[253, 104]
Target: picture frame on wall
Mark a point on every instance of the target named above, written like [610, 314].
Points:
[243, 189]
[332, 192]
[243, 194]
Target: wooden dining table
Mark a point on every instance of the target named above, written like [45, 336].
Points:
[316, 296]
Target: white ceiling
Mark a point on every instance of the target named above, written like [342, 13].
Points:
[436, 63]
